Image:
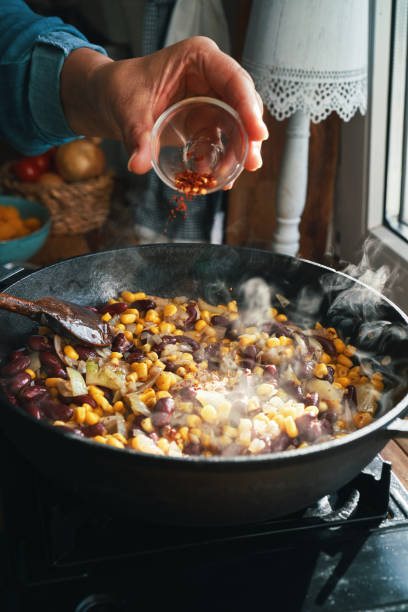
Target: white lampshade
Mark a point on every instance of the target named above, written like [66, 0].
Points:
[309, 56]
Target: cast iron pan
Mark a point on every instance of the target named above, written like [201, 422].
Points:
[196, 490]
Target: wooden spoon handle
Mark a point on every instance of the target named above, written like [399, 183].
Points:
[18, 305]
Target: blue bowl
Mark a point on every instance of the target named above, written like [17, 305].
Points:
[21, 249]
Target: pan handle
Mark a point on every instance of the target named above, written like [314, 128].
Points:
[397, 429]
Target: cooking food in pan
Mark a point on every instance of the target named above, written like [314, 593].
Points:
[186, 377]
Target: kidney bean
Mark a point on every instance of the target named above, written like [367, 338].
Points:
[135, 355]
[85, 352]
[98, 429]
[33, 392]
[78, 400]
[309, 427]
[191, 310]
[280, 330]
[112, 309]
[330, 374]
[231, 332]
[352, 395]
[108, 393]
[312, 399]
[270, 373]
[18, 353]
[188, 394]
[19, 364]
[52, 364]
[39, 343]
[198, 356]
[170, 366]
[162, 411]
[187, 340]
[56, 411]
[121, 344]
[192, 448]
[327, 344]
[249, 356]
[18, 382]
[143, 305]
[279, 443]
[219, 321]
[294, 389]
[33, 409]
[329, 415]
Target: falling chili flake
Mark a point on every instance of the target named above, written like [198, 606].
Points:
[191, 184]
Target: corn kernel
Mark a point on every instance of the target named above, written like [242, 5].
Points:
[193, 420]
[281, 317]
[128, 335]
[80, 414]
[139, 295]
[163, 444]
[106, 317]
[132, 377]
[273, 342]
[152, 316]
[331, 333]
[181, 371]
[119, 406]
[138, 329]
[111, 441]
[164, 381]
[99, 439]
[120, 327]
[30, 372]
[320, 370]
[147, 425]
[273, 312]
[246, 340]
[169, 310]
[232, 306]
[140, 368]
[339, 345]
[325, 358]
[361, 419]
[91, 417]
[128, 296]
[52, 382]
[116, 355]
[350, 350]
[127, 319]
[161, 394]
[71, 352]
[200, 325]
[209, 413]
[345, 361]
[344, 381]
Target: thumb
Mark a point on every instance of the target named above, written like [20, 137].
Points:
[138, 146]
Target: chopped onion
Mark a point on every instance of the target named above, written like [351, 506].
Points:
[282, 300]
[136, 405]
[77, 381]
[35, 360]
[206, 306]
[58, 347]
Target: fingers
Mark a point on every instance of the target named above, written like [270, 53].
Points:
[254, 159]
[234, 85]
[138, 146]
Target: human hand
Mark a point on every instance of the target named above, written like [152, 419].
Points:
[123, 99]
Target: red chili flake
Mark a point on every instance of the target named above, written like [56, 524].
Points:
[191, 184]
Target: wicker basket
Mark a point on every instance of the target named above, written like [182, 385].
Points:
[76, 208]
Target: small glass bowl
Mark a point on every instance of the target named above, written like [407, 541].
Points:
[200, 135]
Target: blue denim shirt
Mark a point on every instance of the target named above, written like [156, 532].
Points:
[32, 52]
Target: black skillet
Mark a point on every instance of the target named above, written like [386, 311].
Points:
[197, 490]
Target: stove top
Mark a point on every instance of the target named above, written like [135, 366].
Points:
[348, 553]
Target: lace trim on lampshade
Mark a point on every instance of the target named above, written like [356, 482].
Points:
[285, 91]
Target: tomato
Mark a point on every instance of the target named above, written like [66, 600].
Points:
[26, 170]
[42, 162]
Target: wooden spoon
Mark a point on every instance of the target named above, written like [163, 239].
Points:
[61, 317]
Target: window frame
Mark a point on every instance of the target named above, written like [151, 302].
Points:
[361, 186]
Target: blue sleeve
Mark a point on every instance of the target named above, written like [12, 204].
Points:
[32, 52]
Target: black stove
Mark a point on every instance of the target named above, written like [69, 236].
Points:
[348, 552]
